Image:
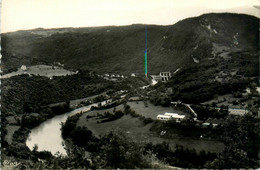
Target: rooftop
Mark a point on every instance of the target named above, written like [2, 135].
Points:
[174, 115]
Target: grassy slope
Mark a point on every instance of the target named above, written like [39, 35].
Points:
[142, 133]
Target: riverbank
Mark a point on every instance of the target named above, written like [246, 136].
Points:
[41, 134]
[19, 128]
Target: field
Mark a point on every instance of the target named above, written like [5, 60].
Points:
[140, 132]
[151, 110]
[227, 99]
[41, 70]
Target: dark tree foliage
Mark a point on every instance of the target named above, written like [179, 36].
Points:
[18, 148]
[112, 116]
[4, 122]
[84, 138]
[120, 151]
[113, 150]
[29, 94]
[204, 113]
[241, 137]
[181, 157]
[60, 109]
[69, 125]
[199, 83]
[32, 120]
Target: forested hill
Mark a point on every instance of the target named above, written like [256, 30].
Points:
[193, 41]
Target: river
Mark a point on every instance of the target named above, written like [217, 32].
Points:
[47, 136]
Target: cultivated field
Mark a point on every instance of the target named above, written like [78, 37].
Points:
[40, 70]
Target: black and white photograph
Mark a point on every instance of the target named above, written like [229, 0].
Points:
[129, 84]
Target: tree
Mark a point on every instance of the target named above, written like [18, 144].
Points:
[26, 108]
[120, 151]
[35, 147]
[241, 138]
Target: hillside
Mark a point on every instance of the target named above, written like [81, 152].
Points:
[104, 49]
[189, 42]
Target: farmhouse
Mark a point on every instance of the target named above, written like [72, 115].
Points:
[163, 117]
[171, 116]
[175, 116]
[237, 111]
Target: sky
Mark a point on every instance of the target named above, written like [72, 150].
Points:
[30, 14]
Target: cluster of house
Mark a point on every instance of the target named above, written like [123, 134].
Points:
[171, 116]
[112, 77]
[163, 76]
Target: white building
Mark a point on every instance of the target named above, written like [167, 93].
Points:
[237, 111]
[163, 76]
[208, 124]
[133, 75]
[23, 67]
[205, 124]
[171, 116]
[163, 117]
[175, 116]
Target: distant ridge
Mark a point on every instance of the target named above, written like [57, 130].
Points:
[115, 49]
